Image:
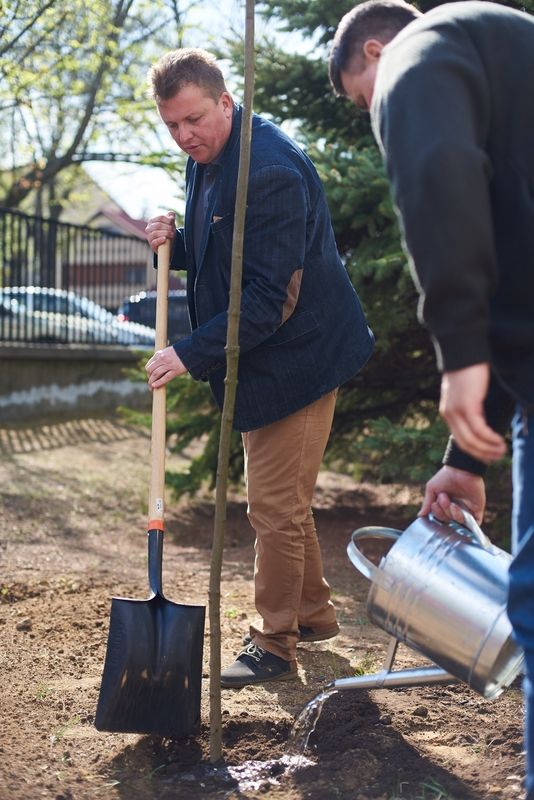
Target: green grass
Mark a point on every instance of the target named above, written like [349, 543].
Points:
[366, 665]
[43, 691]
[60, 732]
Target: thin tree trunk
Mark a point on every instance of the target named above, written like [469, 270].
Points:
[232, 358]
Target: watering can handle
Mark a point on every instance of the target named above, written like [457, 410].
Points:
[472, 525]
[362, 563]
[366, 567]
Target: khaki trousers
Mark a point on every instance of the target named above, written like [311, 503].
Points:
[282, 462]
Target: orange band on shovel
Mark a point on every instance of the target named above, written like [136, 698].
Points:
[155, 524]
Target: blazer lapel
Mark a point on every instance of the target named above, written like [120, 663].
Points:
[207, 222]
[189, 220]
[192, 186]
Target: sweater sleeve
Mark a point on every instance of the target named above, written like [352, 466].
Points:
[430, 114]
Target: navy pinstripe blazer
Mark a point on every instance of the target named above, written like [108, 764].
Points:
[302, 329]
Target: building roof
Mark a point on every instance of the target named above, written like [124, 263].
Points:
[117, 220]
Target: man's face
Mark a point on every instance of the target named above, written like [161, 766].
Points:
[359, 86]
[199, 125]
[359, 80]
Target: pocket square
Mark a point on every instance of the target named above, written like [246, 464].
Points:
[216, 219]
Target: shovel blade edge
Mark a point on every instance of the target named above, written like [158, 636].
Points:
[151, 682]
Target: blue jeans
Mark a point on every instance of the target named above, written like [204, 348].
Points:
[521, 590]
[522, 476]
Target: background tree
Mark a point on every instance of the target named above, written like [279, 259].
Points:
[73, 89]
[398, 390]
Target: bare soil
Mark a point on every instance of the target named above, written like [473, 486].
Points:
[73, 500]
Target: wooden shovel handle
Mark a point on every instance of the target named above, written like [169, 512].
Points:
[157, 447]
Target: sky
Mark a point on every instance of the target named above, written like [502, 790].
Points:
[144, 192]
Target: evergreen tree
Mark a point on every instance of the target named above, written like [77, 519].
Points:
[293, 89]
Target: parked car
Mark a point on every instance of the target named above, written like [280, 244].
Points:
[142, 308]
[42, 314]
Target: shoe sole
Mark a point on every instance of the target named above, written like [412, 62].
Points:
[285, 676]
[318, 637]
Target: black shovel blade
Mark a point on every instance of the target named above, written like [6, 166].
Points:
[153, 669]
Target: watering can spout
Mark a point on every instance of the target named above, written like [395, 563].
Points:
[398, 679]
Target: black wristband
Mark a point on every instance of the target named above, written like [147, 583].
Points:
[454, 457]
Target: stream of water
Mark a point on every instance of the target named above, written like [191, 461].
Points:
[253, 775]
[304, 725]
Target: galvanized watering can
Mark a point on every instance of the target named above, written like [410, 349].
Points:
[441, 589]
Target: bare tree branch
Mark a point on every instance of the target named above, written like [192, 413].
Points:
[30, 25]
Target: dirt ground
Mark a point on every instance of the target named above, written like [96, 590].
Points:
[73, 499]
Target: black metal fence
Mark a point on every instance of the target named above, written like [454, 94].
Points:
[58, 281]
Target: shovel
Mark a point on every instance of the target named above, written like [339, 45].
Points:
[153, 668]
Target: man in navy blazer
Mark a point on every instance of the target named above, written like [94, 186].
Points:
[302, 334]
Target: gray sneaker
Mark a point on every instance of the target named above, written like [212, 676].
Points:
[256, 665]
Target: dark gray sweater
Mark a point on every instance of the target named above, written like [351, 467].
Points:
[453, 112]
